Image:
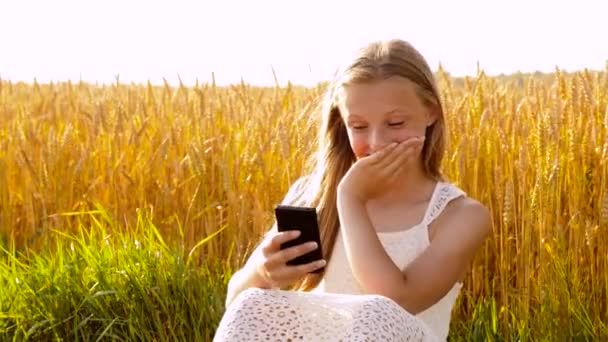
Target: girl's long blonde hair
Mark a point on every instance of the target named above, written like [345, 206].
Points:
[378, 60]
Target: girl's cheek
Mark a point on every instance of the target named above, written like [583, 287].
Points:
[359, 148]
[407, 134]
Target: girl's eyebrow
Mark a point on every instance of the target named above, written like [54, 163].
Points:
[393, 111]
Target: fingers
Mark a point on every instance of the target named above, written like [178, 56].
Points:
[296, 272]
[406, 151]
[275, 268]
[282, 257]
[392, 157]
[274, 244]
[380, 156]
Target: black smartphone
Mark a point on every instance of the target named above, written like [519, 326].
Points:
[305, 220]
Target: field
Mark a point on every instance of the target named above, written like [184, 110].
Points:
[124, 209]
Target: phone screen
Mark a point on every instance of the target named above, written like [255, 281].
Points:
[305, 220]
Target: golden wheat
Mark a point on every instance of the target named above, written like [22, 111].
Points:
[202, 159]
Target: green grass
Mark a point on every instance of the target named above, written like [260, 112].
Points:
[108, 285]
[112, 283]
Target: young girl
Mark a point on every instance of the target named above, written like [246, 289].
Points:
[396, 236]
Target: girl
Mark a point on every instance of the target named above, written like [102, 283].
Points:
[396, 236]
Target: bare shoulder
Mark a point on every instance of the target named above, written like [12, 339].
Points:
[293, 196]
[470, 210]
[296, 190]
[465, 218]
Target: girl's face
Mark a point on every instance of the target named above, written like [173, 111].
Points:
[381, 112]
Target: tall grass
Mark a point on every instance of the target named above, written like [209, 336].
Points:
[101, 285]
[206, 165]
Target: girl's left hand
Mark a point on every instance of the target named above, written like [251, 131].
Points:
[370, 176]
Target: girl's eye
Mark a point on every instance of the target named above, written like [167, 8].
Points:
[392, 124]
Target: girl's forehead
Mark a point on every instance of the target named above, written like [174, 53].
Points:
[385, 96]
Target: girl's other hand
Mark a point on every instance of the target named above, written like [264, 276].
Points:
[273, 267]
[372, 175]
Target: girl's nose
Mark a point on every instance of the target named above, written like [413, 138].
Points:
[376, 143]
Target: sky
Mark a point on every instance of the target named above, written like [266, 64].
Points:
[305, 42]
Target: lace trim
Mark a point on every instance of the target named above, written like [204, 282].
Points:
[444, 194]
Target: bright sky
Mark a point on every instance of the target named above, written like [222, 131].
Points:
[305, 41]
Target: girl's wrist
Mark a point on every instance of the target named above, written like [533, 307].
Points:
[344, 194]
[257, 280]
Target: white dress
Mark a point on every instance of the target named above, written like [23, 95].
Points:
[336, 310]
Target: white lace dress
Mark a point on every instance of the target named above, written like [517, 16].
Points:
[336, 310]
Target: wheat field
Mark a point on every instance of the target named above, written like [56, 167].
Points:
[181, 181]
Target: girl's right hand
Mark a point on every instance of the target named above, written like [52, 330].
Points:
[273, 267]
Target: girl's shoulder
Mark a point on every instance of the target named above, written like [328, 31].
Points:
[296, 194]
[466, 211]
[460, 201]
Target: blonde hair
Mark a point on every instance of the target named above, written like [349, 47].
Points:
[378, 60]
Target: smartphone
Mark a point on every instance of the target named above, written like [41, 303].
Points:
[305, 220]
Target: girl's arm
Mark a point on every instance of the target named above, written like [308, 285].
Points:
[461, 229]
[248, 276]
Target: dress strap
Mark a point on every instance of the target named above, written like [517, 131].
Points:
[443, 194]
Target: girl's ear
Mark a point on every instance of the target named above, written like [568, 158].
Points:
[432, 115]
